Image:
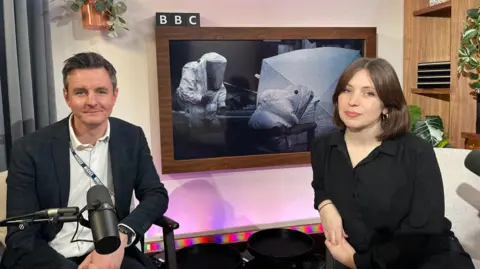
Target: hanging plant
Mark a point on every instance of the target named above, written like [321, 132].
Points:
[102, 15]
[468, 54]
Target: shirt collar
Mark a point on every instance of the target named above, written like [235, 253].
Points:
[388, 146]
[76, 143]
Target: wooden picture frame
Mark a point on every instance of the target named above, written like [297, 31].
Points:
[166, 35]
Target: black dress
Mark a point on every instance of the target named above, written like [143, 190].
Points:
[392, 203]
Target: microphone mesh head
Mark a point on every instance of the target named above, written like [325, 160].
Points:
[472, 162]
[97, 195]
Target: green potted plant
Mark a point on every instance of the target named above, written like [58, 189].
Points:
[101, 14]
[430, 128]
[469, 54]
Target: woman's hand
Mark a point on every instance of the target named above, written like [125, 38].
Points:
[332, 223]
[343, 252]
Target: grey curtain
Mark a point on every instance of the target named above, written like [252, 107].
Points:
[26, 72]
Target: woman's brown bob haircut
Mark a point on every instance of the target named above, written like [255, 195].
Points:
[389, 91]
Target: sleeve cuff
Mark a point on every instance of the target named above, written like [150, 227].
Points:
[134, 235]
[320, 196]
[362, 261]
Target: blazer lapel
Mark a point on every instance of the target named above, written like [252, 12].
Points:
[118, 157]
[61, 159]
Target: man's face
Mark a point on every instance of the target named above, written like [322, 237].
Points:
[215, 74]
[90, 95]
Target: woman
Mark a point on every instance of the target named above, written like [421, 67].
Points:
[378, 188]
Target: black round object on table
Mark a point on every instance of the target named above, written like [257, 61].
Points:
[280, 244]
[209, 256]
[313, 261]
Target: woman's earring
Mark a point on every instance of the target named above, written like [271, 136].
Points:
[385, 117]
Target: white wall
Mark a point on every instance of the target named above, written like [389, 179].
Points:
[219, 200]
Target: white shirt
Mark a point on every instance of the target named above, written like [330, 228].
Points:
[97, 157]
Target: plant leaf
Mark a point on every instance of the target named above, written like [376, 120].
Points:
[430, 129]
[100, 6]
[463, 52]
[475, 85]
[463, 60]
[75, 7]
[473, 63]
[470, 33]
[472, 49]
[121, 7]
[109, 4]
[415, 114]
[473, 13]
[79, 2]
[443, 143]
[473, 76]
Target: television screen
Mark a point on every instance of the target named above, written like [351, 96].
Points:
[253, 97]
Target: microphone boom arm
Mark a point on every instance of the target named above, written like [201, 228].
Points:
[25, 222]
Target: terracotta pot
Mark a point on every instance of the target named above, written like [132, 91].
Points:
[92, 19]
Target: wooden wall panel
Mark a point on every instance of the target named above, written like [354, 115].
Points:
[426, 39]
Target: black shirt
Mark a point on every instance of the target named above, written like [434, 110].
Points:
[391, 203]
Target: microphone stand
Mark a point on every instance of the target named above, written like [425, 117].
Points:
[23, 223]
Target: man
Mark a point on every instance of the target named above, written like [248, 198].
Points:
[201, 92]
[44, 173]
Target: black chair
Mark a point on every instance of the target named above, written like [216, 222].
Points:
[168, 227]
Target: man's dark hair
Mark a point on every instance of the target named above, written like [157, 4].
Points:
[88, 60]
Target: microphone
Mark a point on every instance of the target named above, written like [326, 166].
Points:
[102, 220]
[472, 162]
[465, 191]
[469, 194]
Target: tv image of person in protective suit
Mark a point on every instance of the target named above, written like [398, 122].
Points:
[201, 92]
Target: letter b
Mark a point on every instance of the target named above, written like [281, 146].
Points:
[163, 19]
[178, 19]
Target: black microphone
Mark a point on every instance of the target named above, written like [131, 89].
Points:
[102, 220]
[472, 162]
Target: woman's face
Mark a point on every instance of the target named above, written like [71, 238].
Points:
[359, 106]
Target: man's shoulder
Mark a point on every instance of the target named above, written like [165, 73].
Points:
[124, 126]
[122, 123]
[43, 134]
